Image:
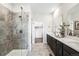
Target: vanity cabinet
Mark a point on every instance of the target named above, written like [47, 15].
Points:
[52, 43]
[55, 45]
[59, 48]
[68, 51]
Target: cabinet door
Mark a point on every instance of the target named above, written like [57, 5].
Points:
[52, 43]
[49, 40]
[70, 51]
[54, 48]
[59, 48]
[65, 53]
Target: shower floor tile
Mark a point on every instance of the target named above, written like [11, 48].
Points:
[18, 52]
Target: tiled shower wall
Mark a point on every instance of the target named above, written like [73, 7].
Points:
[20, 30]
[13, 31]
[6, 44]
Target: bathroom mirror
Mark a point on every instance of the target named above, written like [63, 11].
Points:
[73, 20]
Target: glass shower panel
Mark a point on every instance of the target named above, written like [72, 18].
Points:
[13, 32]
[20, 33]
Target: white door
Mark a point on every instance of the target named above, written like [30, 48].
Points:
[39, 32]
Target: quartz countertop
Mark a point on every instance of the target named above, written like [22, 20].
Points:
[71, 41]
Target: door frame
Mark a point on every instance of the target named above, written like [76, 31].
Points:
[33, 33]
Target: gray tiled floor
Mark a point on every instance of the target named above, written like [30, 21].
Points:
[40, 49]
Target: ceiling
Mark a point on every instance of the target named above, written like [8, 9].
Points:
[42, 8]
[35, 7]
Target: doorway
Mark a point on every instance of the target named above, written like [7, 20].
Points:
[39, 34]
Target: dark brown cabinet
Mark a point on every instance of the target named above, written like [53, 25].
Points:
[55, 45]
[59, 48]
[69, 51]
[65, 53]
[52, 43]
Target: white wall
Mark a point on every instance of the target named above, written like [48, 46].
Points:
[57, 20]
[46, 19]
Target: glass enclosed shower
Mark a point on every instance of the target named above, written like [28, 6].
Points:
[13, 32]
